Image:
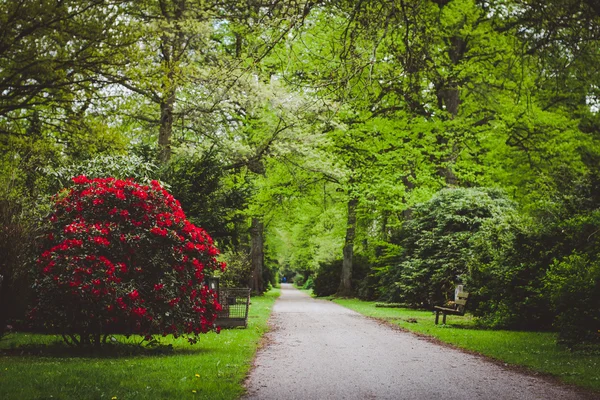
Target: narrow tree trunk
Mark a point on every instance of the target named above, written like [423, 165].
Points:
[408, 187]
[345, 288]
[257, 255]
[166, 127]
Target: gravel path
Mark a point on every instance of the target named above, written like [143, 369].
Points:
[320, 350]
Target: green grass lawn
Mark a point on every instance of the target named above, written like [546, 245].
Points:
[537, 351]
[40, 367]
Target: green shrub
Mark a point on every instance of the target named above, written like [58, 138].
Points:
[18, 232]
[573, 287]
[117, 166]
[437, 245]
[327, 279]
[309, 284]
[208, 197]
[298, 280]
[239, 269]
[508, 274]
[505, 275]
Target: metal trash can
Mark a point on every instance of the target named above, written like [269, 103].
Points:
[235, 303]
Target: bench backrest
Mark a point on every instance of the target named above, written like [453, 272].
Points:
[461, 300]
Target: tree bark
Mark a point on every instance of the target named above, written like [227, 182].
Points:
[449, 96]
[257, 255]
[345, 288]
[166, 127]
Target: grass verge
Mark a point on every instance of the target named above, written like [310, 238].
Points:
[41, 367]
[537, 351]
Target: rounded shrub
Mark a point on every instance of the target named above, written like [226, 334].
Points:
[120, 257]
[438, 245]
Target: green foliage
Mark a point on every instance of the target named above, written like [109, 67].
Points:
[100, 166]
[573, 286]
[309, 284]
[505, 275]
[298, 280]
[210, 196]
[437, 244]
[327, 278]
[239, 269]
[18, 232]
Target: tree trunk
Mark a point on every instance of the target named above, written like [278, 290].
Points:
[449, 96]
[166, 127]
[257, 255]
[345, 288]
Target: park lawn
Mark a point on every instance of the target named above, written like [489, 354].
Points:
[537, 351]
[214, 368]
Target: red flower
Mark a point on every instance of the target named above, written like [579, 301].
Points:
[159, 231]
[133, 295]
[49, 267]
[101, 240]
[158, 286]
[140, 194]
[138, 311]
[121, 303]
[81, 179]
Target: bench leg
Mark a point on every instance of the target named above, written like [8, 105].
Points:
[437, 317]
[444, 319]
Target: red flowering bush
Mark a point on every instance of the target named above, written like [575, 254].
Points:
[121, 257]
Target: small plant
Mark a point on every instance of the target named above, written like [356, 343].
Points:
[120, 257]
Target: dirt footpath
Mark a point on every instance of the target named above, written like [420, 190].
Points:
[320, 350]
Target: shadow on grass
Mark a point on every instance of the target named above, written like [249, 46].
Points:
[116, 350]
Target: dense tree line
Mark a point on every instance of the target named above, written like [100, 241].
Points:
[387, 149]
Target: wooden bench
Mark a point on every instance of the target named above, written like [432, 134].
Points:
[458, 308]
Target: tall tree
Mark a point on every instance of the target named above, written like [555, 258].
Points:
[193, 53]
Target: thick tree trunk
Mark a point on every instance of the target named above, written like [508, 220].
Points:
[345, 288]
[257, 255]
[166, 127]
[449, 96]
